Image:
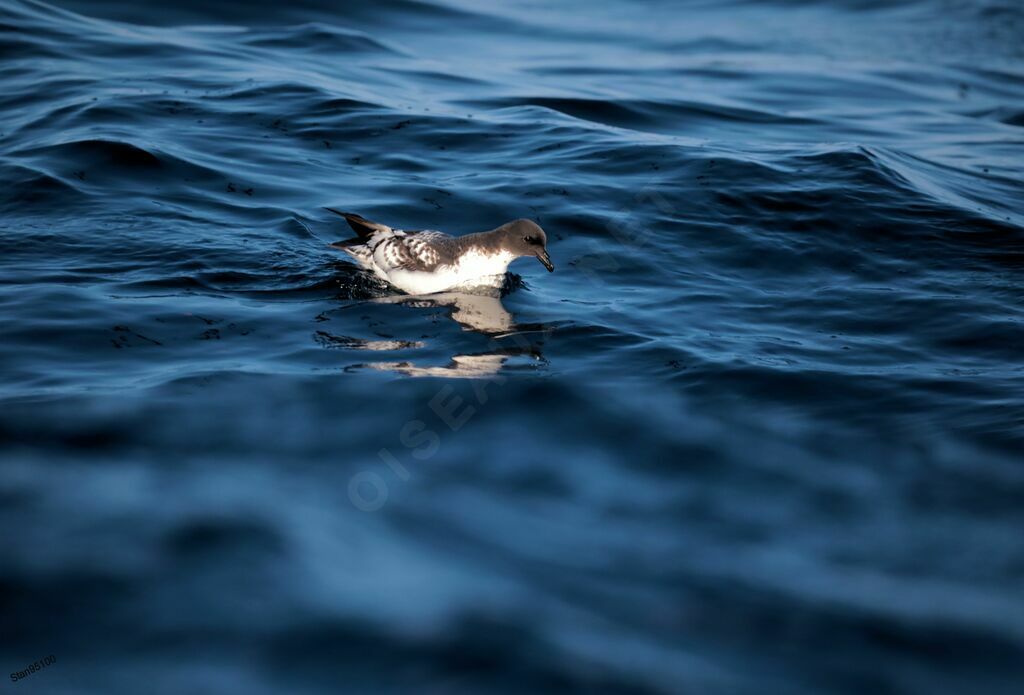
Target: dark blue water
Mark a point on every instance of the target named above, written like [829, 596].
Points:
[760, 432]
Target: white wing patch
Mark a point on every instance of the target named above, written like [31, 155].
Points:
[386, 254]
[422, 251]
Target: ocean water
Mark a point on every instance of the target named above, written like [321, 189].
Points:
[760, 432]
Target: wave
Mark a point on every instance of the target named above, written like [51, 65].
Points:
[675, 117]
[317, 36]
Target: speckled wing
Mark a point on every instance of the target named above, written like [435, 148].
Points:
[420, 251]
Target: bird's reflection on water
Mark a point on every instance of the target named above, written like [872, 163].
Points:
[481, 313]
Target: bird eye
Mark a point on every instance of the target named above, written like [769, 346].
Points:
[528, 239]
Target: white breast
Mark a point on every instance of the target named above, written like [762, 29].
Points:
[473, 269]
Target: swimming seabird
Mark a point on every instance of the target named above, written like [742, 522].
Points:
[425, 262]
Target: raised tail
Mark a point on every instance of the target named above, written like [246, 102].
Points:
[346, 244]
[360, 225]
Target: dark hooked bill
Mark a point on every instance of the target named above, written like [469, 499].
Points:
[544, 258]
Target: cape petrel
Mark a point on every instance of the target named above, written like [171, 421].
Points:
[425, 262]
